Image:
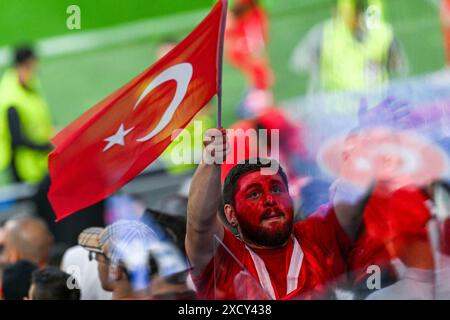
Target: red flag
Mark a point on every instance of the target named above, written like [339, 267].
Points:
[120, 136]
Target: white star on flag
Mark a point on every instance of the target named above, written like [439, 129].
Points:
[117, 138]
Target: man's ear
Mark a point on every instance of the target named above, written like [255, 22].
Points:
[230, 213]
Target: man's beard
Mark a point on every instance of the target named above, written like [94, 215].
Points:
[263, 236]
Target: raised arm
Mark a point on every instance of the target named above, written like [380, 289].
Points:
[204, 200]
[350, 200]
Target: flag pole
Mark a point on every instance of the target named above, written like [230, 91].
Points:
[220, 62]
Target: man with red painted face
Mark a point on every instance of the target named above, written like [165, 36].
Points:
[259, 238]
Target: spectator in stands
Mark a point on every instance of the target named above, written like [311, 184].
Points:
[51, 283]
[110, 246]
[76, 262]
[171, 217]
[25, 121]
[27, 238]
[354, 50]
[17, 280]
[130, 265]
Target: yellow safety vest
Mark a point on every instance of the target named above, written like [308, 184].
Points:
[35, 123]
[349, 64]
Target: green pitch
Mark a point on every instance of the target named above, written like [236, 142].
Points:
[125, 35]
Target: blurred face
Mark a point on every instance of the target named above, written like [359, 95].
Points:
[26, 71]
[103, 272]
[263, 209]
[350, 16]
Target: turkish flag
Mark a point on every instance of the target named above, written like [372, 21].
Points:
[119, 137]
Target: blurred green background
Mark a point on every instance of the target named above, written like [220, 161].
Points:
[118, 40]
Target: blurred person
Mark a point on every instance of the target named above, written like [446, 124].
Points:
[402, 226]
[103, 246]
[50, 283]
[17, 280]
[176, 286]
[355, 50]
[170, 215]
[27, 238]
[255, 223]
[397, 239]
[76, 262]
[123, 251]
[25, 132]
[246, 39]
[370, 248]
[132, 271]
[25, 122]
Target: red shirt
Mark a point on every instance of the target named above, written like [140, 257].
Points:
[322, 241]
[386, 216]
[246, 38]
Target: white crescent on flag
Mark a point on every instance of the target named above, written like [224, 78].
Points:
[182, 74]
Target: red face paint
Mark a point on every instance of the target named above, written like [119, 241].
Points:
[264, 209]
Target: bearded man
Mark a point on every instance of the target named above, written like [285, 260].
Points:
[262, 253]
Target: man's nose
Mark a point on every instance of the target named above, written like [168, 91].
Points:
[269, 200]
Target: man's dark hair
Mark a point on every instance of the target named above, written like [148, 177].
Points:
[239, 170]
[239, 9]
[17, 280]
[359, 5]
[23, 54]
[52, 284]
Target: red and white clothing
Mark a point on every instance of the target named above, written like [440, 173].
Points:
[319, 244]
[245, 43]
[387, 215]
